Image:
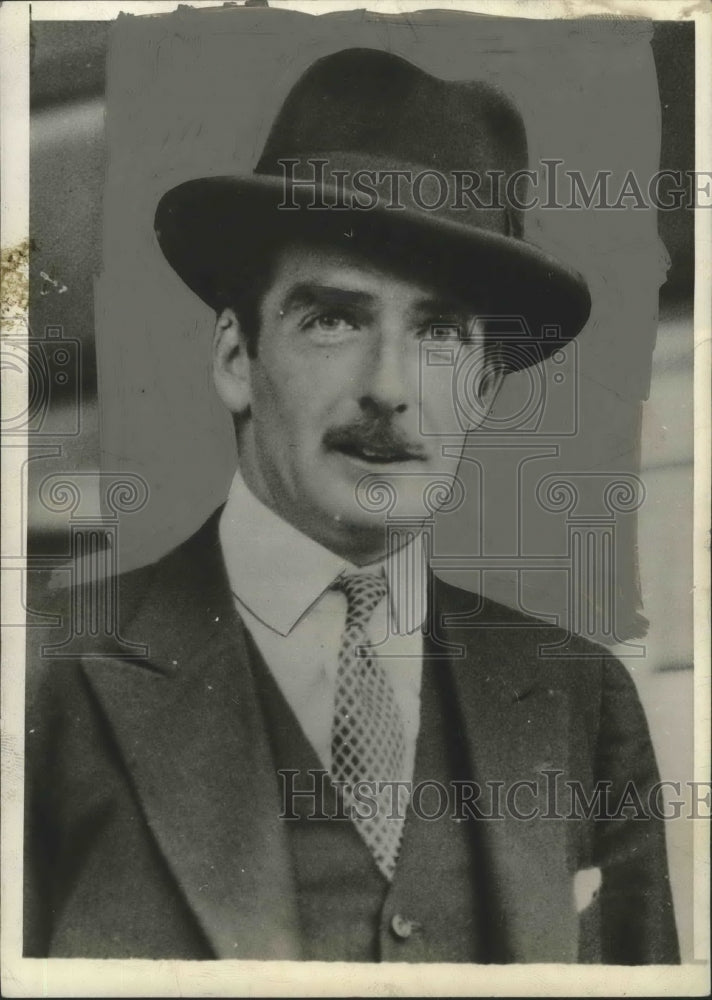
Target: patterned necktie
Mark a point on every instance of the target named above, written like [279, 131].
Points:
[367, 739]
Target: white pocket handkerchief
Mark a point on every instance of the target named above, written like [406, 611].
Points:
[587, 882]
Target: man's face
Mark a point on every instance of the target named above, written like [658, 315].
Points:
[335, 394]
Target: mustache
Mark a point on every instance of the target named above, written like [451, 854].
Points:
[376, 436]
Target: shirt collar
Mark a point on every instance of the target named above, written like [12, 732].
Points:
[278, 573]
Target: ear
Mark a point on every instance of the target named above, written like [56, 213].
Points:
[487, 376]
[231, 363]
[491, 383]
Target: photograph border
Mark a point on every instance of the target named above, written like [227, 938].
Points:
[74, 977]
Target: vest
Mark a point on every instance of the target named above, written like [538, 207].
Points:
[432, 911]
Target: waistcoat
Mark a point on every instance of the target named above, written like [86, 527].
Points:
[433, 910]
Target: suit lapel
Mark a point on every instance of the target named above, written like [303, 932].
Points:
[514, 728]
[188, 724]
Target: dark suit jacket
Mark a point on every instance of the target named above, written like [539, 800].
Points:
[152, 823]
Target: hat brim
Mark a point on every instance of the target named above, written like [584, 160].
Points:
[210, 227]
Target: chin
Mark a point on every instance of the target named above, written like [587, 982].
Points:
[383, 504]
[374, 498]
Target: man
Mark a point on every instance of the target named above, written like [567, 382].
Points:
[267, 781]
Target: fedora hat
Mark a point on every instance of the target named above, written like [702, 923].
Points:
[369, 151]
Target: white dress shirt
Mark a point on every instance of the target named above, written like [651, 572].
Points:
[281, 581]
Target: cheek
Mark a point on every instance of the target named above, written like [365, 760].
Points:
[438, 410]
[298, 398]
[453, 393]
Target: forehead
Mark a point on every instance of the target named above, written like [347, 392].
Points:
[351, 269]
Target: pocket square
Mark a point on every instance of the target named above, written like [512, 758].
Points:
[587, 882]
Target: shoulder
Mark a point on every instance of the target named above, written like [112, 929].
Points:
[472, 608]
[87, 615]
[80, 586]
[522, 653]
[524, 642]
[78, 601]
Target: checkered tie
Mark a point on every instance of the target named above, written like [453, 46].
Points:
[367, 740]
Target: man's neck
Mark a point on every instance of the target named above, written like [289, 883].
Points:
[357, 544]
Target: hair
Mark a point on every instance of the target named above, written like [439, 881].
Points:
[244, 292]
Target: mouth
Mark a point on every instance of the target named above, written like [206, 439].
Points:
[378, 456]
[373, 444]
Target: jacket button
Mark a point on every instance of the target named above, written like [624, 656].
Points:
[401, 927]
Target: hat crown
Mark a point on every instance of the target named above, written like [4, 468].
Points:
[375, 104]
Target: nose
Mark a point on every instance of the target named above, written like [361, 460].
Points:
[386, 387]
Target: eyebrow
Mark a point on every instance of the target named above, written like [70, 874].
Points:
[308, 294]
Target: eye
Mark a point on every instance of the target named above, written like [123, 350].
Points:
[334, 321]
[330, 322]
[446, 329]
